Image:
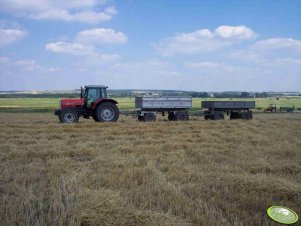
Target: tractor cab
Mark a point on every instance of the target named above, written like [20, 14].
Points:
[91, 94]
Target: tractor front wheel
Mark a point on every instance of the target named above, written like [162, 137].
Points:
[107, 112]
[69, 116]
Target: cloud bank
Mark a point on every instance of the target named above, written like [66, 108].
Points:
[86, 42]
[69, 11]
[204, 40]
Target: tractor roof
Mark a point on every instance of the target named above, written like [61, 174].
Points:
[96, 86]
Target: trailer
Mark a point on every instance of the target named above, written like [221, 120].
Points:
[174, 107]
[236, 109]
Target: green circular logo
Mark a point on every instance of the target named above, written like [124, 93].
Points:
[282, 214]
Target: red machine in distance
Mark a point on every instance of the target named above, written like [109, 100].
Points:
[93, 102]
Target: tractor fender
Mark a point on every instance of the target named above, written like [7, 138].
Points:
[98, 102]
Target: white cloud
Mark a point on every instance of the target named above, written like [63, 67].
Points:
[203, 64]
[204, 40]
[70, 48]
[238, 32]
[198, 41]
[23, 66]
[28, 65]
[156, 64]
[53, 14]
[108, 57]
[92, 17]
[4, 60]
[8, 36]
[268, 50]
[85, 44]
[25, 74]
[157, 74]
[287, 61]
[21, 6]
[100, 35]
[277, 43]
[76, 3]
[110, 10]
[78, 49]
[68, 11]
[194, 36]
[86, 16]
[208, 65]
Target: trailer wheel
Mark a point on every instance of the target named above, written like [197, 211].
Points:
[218, 115]
[107, 112]
[207, 115]
[234, 115]
[250, 115]
[246, 115]
[149, 117]
[69, 115]
[182, 116]
[171, 116]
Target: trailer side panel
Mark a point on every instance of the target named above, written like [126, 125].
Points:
[228, 105]
[163, 102]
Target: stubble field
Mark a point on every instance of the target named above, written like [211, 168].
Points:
[164, 173]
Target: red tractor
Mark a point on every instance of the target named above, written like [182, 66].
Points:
[93, 103]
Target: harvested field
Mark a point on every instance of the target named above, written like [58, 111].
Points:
[164, 173]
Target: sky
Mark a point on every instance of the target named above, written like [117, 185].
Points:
[193, 45]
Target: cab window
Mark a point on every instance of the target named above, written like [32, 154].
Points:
[92, 94]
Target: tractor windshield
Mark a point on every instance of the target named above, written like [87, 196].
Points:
[93, 94]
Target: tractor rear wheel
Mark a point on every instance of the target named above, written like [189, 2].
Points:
[107, 112]
[95, 118]
[69, 115]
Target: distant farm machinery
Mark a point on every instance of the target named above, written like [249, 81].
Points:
[273, 108]
[287, 109]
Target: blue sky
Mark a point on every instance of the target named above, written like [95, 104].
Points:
[159, 44]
